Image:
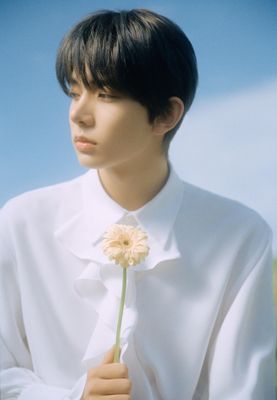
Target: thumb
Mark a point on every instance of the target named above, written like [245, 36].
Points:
[109, 356]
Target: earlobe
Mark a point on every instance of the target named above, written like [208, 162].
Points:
[165, 123]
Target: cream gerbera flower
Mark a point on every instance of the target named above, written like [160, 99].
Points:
[125, 245]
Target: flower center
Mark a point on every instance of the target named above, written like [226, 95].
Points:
[126, 242]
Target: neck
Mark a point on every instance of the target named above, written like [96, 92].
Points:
[136, 185]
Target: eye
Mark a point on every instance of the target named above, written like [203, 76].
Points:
[73, 95]
[106, 95]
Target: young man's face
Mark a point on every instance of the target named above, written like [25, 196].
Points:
[117, 125]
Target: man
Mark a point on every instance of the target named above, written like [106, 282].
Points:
[199, 313]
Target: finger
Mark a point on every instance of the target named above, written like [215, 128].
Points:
[110, 371]
[109, 356]
[118, 397]
[110, 386]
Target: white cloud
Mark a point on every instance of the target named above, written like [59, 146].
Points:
[228, 145]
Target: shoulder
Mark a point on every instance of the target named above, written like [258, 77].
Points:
[222, 220]
[42, 203]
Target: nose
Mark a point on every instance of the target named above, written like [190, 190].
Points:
[82, 111]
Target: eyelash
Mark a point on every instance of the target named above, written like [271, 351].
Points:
[105, 95]
[72, 94]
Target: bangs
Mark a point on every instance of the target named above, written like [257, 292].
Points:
[92, 53]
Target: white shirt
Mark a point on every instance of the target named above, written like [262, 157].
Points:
[199, 316]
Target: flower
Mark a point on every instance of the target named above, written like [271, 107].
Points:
[125, 245]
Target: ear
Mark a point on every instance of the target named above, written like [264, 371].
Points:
[165, 123]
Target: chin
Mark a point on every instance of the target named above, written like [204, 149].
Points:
[87, 161]
[97, 162]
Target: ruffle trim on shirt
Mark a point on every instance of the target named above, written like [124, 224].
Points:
[100, 284]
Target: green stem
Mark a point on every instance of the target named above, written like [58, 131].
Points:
[123, 294]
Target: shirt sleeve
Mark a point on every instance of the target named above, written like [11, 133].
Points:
[17, 378]
[241, 361]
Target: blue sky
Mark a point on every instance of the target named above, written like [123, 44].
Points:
[226, 142]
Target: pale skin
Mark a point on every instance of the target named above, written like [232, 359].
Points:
[132, 168]
[108, 381]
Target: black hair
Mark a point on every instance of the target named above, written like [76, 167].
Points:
[136, 52]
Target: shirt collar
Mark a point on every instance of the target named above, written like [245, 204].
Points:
[157, 216]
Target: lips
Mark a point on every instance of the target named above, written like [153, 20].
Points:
[83, 139]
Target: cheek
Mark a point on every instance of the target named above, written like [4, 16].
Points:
[112, 129]
[124, 124]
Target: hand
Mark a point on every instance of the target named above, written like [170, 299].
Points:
[108, 381]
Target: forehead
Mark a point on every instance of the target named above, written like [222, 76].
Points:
[76, 80]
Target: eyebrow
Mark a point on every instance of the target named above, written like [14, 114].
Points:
[75, 82]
